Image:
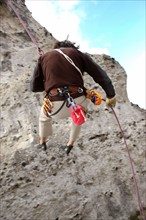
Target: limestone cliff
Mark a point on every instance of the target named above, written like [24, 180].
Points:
[95, 181]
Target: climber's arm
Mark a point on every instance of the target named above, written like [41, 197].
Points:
[37, 80]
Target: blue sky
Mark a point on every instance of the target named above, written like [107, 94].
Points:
[116, 28]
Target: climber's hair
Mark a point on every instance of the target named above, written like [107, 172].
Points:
[65, 43]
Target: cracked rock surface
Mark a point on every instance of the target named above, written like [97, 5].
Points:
[95, 181]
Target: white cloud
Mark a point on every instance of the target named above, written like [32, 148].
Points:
[85, 47]
[61, 18]
[136, 80]
[66, 5]
[58, 17]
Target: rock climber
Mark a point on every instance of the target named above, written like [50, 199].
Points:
[55, 75]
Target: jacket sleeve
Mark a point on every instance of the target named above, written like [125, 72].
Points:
[99, 76]
[37, 80]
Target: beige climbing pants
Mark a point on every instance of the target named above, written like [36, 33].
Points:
[45, 123]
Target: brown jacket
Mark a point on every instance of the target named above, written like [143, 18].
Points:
[54, 71]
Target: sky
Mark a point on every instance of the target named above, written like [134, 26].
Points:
[112, 27]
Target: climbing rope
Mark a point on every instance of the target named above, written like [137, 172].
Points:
[132, 168]
[40, 52]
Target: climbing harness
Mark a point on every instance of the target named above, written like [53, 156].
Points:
[40, 52]
[77, 112]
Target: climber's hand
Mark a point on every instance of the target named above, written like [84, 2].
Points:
[110, 102]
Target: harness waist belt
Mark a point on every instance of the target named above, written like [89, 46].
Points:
[75, 91]
[71, 89]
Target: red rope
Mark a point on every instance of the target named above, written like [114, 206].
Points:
[132, 168]
[25, 27]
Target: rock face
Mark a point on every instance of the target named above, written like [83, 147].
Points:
[95, 181]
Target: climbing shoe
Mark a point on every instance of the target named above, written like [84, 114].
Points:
[67, 149]
[42, 146]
